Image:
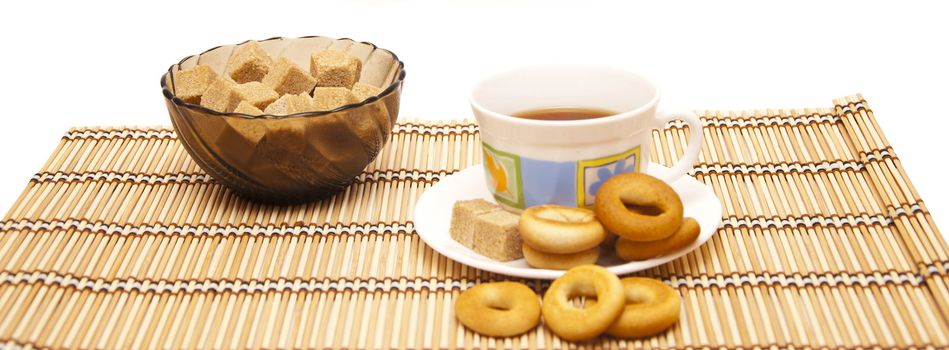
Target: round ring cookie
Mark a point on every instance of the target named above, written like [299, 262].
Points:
[655, 213]
[687, 233]
[560, 230]
[652, 306]
[542, 260]
[575, 324]
[498, 309]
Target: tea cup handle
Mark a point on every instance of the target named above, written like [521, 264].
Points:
[691, 151]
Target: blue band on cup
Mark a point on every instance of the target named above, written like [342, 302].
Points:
[522, 182]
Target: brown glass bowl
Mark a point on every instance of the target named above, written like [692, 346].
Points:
[292, 158]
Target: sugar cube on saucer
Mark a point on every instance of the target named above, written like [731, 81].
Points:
[487, 229]
[496, 236]
[463, 217]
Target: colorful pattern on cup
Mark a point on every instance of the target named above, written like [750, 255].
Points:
[503, 174]
[521, 182]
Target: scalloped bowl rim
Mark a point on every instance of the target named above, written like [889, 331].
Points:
[166, 91]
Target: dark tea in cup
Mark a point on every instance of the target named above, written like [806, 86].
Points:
[564, 113]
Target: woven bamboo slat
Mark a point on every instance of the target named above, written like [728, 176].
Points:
[121, 241]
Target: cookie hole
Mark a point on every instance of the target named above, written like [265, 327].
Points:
[588, 303]
[582, 302]
[499, 307]
[643, 209]
[496, 301]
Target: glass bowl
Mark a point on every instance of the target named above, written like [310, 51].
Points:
[293, 158]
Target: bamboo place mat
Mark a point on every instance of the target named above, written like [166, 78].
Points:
[121, 241]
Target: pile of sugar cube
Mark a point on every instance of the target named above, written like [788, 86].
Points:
[256, 84]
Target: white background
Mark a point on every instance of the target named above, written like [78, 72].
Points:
[85, 63]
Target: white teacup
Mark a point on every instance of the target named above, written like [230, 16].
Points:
[531, 162]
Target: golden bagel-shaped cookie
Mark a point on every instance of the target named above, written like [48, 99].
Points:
[651, 307]
[560, 230]
[498, 309]
[638, 207]
[575, 324]
[542, 260]
[684, 235]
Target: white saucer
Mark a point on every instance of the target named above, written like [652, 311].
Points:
[433, 219]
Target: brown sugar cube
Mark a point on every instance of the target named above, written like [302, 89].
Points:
[363, 91]
[334, 137]
[364, 123]
[190, 84]
[288, 78]
[247, 108]
[257, 94]
[290, 104]
[496, 236]
[328, 98]
[335, 68]
[249, 62]
[240, 136]
[221, 96]
[376, 109]
[282, 149]
[464, 215]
